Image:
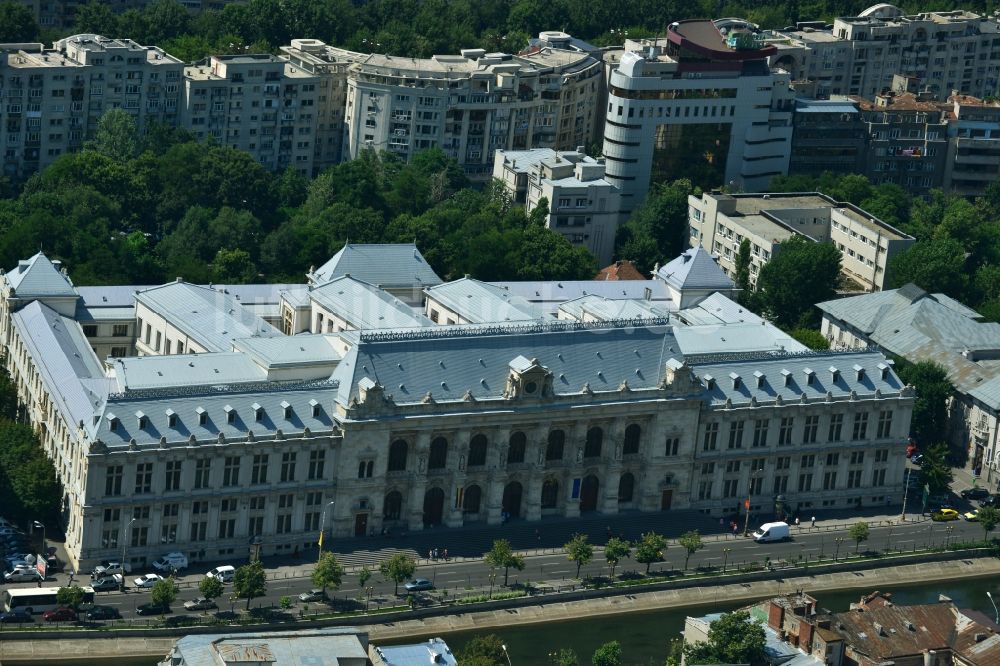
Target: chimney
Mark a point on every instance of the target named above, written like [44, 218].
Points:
[775, 615]
[805, 636]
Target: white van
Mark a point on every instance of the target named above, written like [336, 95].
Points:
[769, 532]
[223, 574]
[171, 561]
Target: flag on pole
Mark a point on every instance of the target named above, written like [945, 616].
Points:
[320, 540]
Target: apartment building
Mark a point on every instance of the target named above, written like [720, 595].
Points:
[582, 205]
[696, 104]
[973, 155]
[471, 104]
[945, 51]
[720, 222]
[260, 104]
[828, 135]
[257, 432]
[54, 98]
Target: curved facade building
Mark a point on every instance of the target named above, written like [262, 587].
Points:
[701, 104]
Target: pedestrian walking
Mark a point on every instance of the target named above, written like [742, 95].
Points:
[796, 521]
[814, 521]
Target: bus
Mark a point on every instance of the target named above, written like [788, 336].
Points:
[37, 599]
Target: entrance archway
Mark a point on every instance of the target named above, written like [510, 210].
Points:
[433, 507]
[512, 499]
[588, 493]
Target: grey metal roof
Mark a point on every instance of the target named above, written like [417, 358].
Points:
[316, 647]
[365, 306]
[822, 387]
[295, 351]
[602, 309]
[64, 359]
[695, 269]
[549, 294]
[388, 265]
[717, 339]
[432, 652]
[448, 361]
[148, 372]
[716, 308]
[480, 302]
[37, 277]
[110, 296]
[211, 317]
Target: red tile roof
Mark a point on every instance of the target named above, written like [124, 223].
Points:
[620, 270]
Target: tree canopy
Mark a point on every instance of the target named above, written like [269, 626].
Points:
[929, 423]
[734, 638]
[800, 275]
[658, 230]
[250, 581]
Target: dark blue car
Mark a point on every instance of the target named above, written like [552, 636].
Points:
[16, 615]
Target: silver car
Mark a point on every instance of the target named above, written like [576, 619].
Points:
[22, 576]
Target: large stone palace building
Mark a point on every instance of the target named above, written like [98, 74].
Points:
[613, 398]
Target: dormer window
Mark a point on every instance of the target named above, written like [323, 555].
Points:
[760, 378]
[709, 382]
[883, 371]
[142, 420]
[859, 372]
[787, 377]
[112, 422]
[810, 375]
[314, 405]
[171, 418]
[834, 374]
[202, 415]
[258, 412]
[286, 409]
[230, 414]
[736, 380]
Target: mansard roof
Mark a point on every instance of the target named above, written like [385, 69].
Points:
[38, 277]
[385, 265]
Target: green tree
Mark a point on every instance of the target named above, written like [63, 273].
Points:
[484, 650]
[616, 550]
[811, 338]
[742, 269]
[691, 542]
[934, 265]
[566, 657]
[164, 591]
[859, 532]
[650, 549]
[96, 18]
[70, 597]
[609, 654]
[397, 568]
[579, 551]
[502, 555]
[17, 23]
[800, 275]
[328, 572]
[735, 638]
[929, 423]
[233, 267]
[675, 652]
[364, 576]
[117, 136]
[658, 230]
[211, 587]
[989, 518]
[250, 581]
[935, 469]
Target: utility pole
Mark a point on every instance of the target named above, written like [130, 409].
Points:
[906, 490]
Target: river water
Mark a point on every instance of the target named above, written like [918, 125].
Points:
[644, 636]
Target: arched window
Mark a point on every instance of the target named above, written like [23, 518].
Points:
[370, 469]
[550, 494]
[393, 507]
[626, 487]
[439, 453]
[397, 455]
[361, 469]
[515, 450]
[471, 499]
[631, 444]
[595, 437]
[554, 451]
[477, 451]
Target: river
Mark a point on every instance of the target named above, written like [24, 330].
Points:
[644, 636]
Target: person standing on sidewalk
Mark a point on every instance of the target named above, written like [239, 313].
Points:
[814, 521]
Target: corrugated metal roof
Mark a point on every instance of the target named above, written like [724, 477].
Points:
[211, 317]
[36, 277]
[365, 306]
[298, 350]
[434, 652]
[735, 338]
[480, 302]
[149, 372]
[314, 647]
[717, 308]
[388, 265]
[603, 309]
[695, 269]
[549, 294]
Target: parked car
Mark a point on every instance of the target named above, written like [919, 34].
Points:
[313, 595]
[170, 562]
[22, 576]
[419, 584]
[59, 615]
[223, 574]
[111, 568]
[107, 583]
[16, 615]
[944, 514]
[152, 609]
[971, 516]
[103, 613]
[201, 603]
[147, 581]
[975, 493]
[992, 500]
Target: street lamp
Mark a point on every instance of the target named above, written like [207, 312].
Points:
[506, 654]
[947, 537]
[906, 491]
[746, 505]
[839, 541]
[725, 558]
[493, 577]
[322, 527]
[124, 544]
[994, 606]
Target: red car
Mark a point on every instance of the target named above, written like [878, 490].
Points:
[60, 615]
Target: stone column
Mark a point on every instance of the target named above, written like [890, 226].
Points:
[418, 482]
[534, 452]
[612, 453]
[457, 466]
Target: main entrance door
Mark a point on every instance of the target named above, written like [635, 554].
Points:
[588, 493]
[433, 507]
[665, 499]
[512, 499]
[361, 524]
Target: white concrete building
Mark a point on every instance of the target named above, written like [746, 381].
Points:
[582, 204]
[691, 105]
